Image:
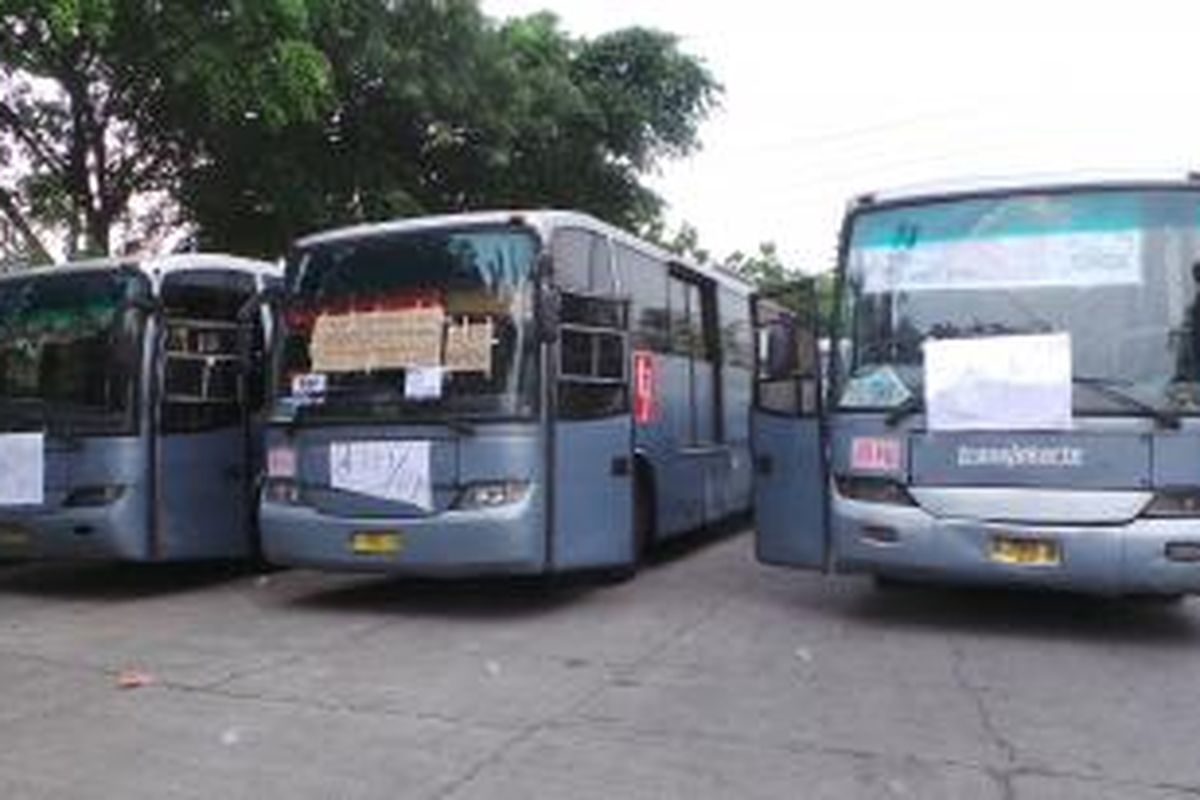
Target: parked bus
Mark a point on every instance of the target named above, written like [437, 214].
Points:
[513, 393]
[1019, 403]
[131, 403]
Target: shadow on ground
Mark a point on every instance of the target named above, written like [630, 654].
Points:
[113, 582]
[1027, 614]
[500, 597]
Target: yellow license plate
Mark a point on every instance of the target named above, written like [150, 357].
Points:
[376, 543]
[1026, 552]
[13, 536]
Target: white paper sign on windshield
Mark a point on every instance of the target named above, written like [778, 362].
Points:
[423, 383]
[999, 383]
[389, 470]
[22, 469]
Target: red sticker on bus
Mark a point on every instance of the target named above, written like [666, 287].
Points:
[875, 454]
[644, 409]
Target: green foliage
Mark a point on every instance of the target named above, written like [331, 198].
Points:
[264, 120]
[101, 100]
[766, 270]
[438, 110]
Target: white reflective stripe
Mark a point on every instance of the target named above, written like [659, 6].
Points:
[1030, 505]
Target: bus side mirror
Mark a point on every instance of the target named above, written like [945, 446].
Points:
[549, 313]
[271, 296]
[145, 304]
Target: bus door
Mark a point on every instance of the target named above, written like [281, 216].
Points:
[204, 479]
[592, 483]
[790, 475]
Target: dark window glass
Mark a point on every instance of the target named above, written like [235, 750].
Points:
[786, 380]
[577, 355]
[601, 262]
[646, 280]
[572, 250]
[593, 311]
[204, 349]
[737, 343]
[475, 279]
[70, 350]
[583, 262]
[610, 356]
[591, 400]
[681, 324]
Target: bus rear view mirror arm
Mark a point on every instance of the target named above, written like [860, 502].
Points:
[549, 313]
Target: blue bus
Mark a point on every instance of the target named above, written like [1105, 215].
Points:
[505, 393]
[1014, 395]
[132, 395]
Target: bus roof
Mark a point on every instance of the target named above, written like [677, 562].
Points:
[1036, 182]
[542, 220]
[157, 267]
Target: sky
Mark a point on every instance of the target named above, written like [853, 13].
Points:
[828, 99]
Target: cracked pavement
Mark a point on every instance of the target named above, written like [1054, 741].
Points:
[707, 676]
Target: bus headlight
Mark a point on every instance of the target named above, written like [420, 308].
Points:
[490, 494]
[86, 496]
[281, 490]
[1174, 503]
[873, 490]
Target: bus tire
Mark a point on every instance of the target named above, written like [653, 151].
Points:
[642, 527]
[643, 512]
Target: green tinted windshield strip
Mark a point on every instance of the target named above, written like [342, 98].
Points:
[1026, 215]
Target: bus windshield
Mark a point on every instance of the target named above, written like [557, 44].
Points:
[419, 324]
[70, 351]
[1115, 269]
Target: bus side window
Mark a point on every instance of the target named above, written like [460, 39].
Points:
[788, 367]
[202, 354]
[646, 285]
[583, 262]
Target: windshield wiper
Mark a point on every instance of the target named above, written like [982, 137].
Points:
[910, 405]
[1111, 388]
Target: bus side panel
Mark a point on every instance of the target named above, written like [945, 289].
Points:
[593, 493]
[681, 484]
[110, 530]
[739, 396]
[203, 510]
[790, 486]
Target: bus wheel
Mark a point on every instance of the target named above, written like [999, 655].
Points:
[645, 523]
[643, 528]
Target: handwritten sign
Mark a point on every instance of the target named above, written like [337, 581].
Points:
[469, 346]
[378, 340]
[389, 470]
[22, 469]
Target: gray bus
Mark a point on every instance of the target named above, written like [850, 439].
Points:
[1014, 398]
[508, 392]
[131, 402]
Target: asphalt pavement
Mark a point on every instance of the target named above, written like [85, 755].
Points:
[707, 676]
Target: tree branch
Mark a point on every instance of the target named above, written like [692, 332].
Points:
[48, 158]
[8, 205]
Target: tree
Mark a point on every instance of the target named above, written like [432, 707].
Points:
[102, 101]
[438, 109]
[766, 270]
[256, 122]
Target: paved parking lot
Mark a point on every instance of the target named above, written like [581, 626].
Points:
[707, 676]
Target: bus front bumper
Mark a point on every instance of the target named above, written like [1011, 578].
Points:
[901, 542]
[507, 540]
[110, 533]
